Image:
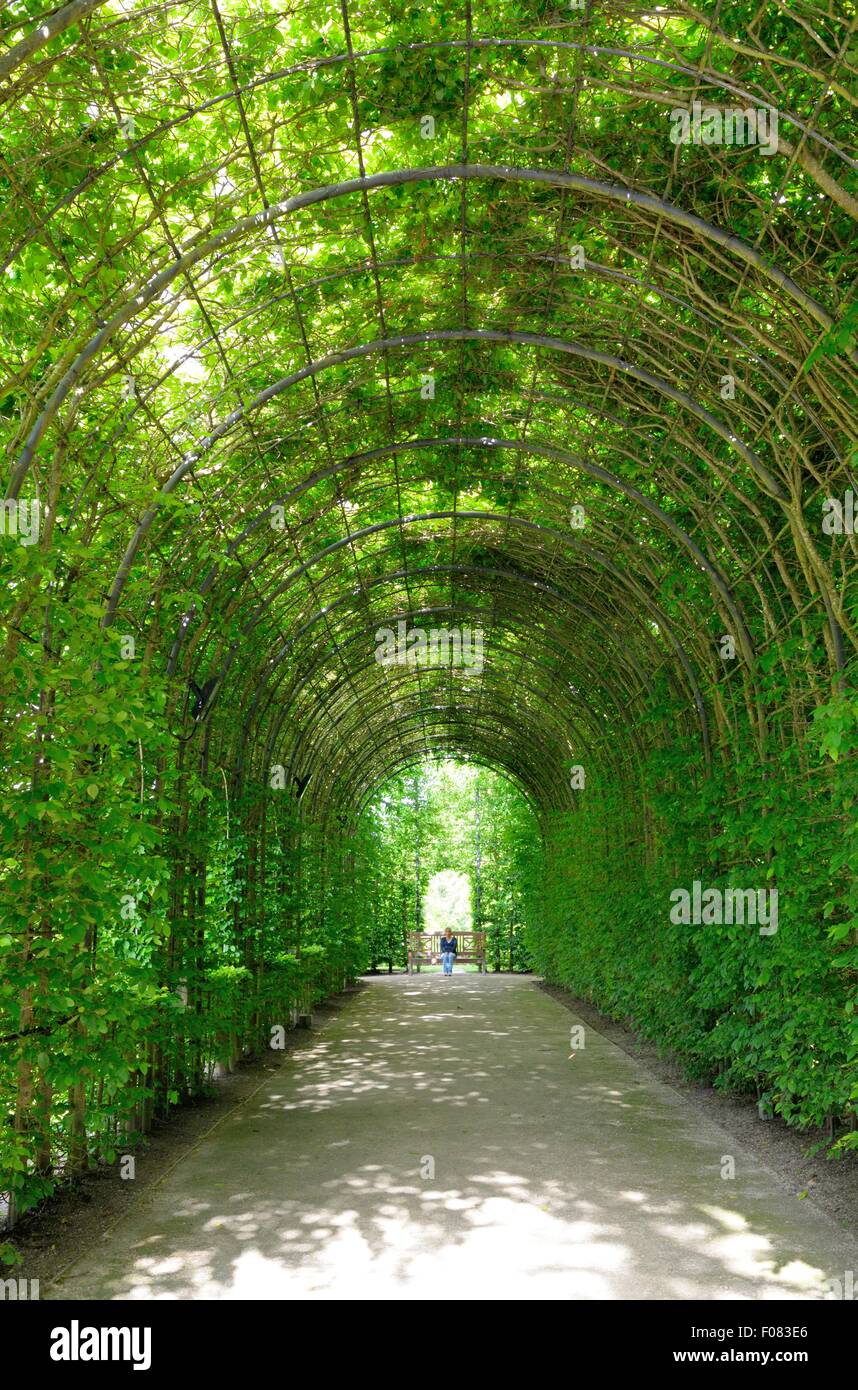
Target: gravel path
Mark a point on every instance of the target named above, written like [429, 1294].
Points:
[444, 1139]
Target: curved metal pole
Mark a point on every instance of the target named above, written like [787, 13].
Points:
[534, 794]
[522, 446]
[200, 247]
[355, 812]
[653, 608]
[492, 742]
[471, 613]
[717, 80]
[543, 695]
[206, 584]
[356, 270]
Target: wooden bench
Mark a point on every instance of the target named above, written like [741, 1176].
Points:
[424, 948]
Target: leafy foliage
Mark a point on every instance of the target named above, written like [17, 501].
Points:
[217, 343]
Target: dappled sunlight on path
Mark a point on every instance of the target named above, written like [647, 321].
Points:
[439, 1138]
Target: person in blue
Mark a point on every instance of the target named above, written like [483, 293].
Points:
[449, 947]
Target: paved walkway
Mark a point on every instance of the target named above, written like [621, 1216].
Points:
[554, 1177]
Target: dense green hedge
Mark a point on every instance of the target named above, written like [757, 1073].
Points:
[769, 1014]
[152, 924]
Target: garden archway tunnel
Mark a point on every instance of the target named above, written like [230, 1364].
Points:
[320, 323]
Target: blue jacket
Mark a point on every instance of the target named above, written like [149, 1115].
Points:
[451, 945]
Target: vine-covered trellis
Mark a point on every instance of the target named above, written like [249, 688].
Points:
[317, 320]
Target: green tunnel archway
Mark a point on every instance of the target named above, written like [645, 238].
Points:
[320, 322]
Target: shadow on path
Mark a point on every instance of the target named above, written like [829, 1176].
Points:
[440, 1140]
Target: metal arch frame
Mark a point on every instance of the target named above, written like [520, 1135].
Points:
[538, 450]
[342, 600]
[206, 585]
[416, 715]
[287, 707]
[410, 340]
[541, 801]
[359, 268]
[526, 657]
[272, 664]
[316, 477]
[551, 637]
[550, 640]
[514, 767]
[488, 167]
[636, 601]
[473, 736]
[464, 569]
[535, 792]
[501, 770]
[546, 451]
[627, 195]
[199, 248]
[490, 725]
[492, 729]
[719, 80]
[658, 616]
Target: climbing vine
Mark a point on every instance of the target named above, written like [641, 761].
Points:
[323, 330]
